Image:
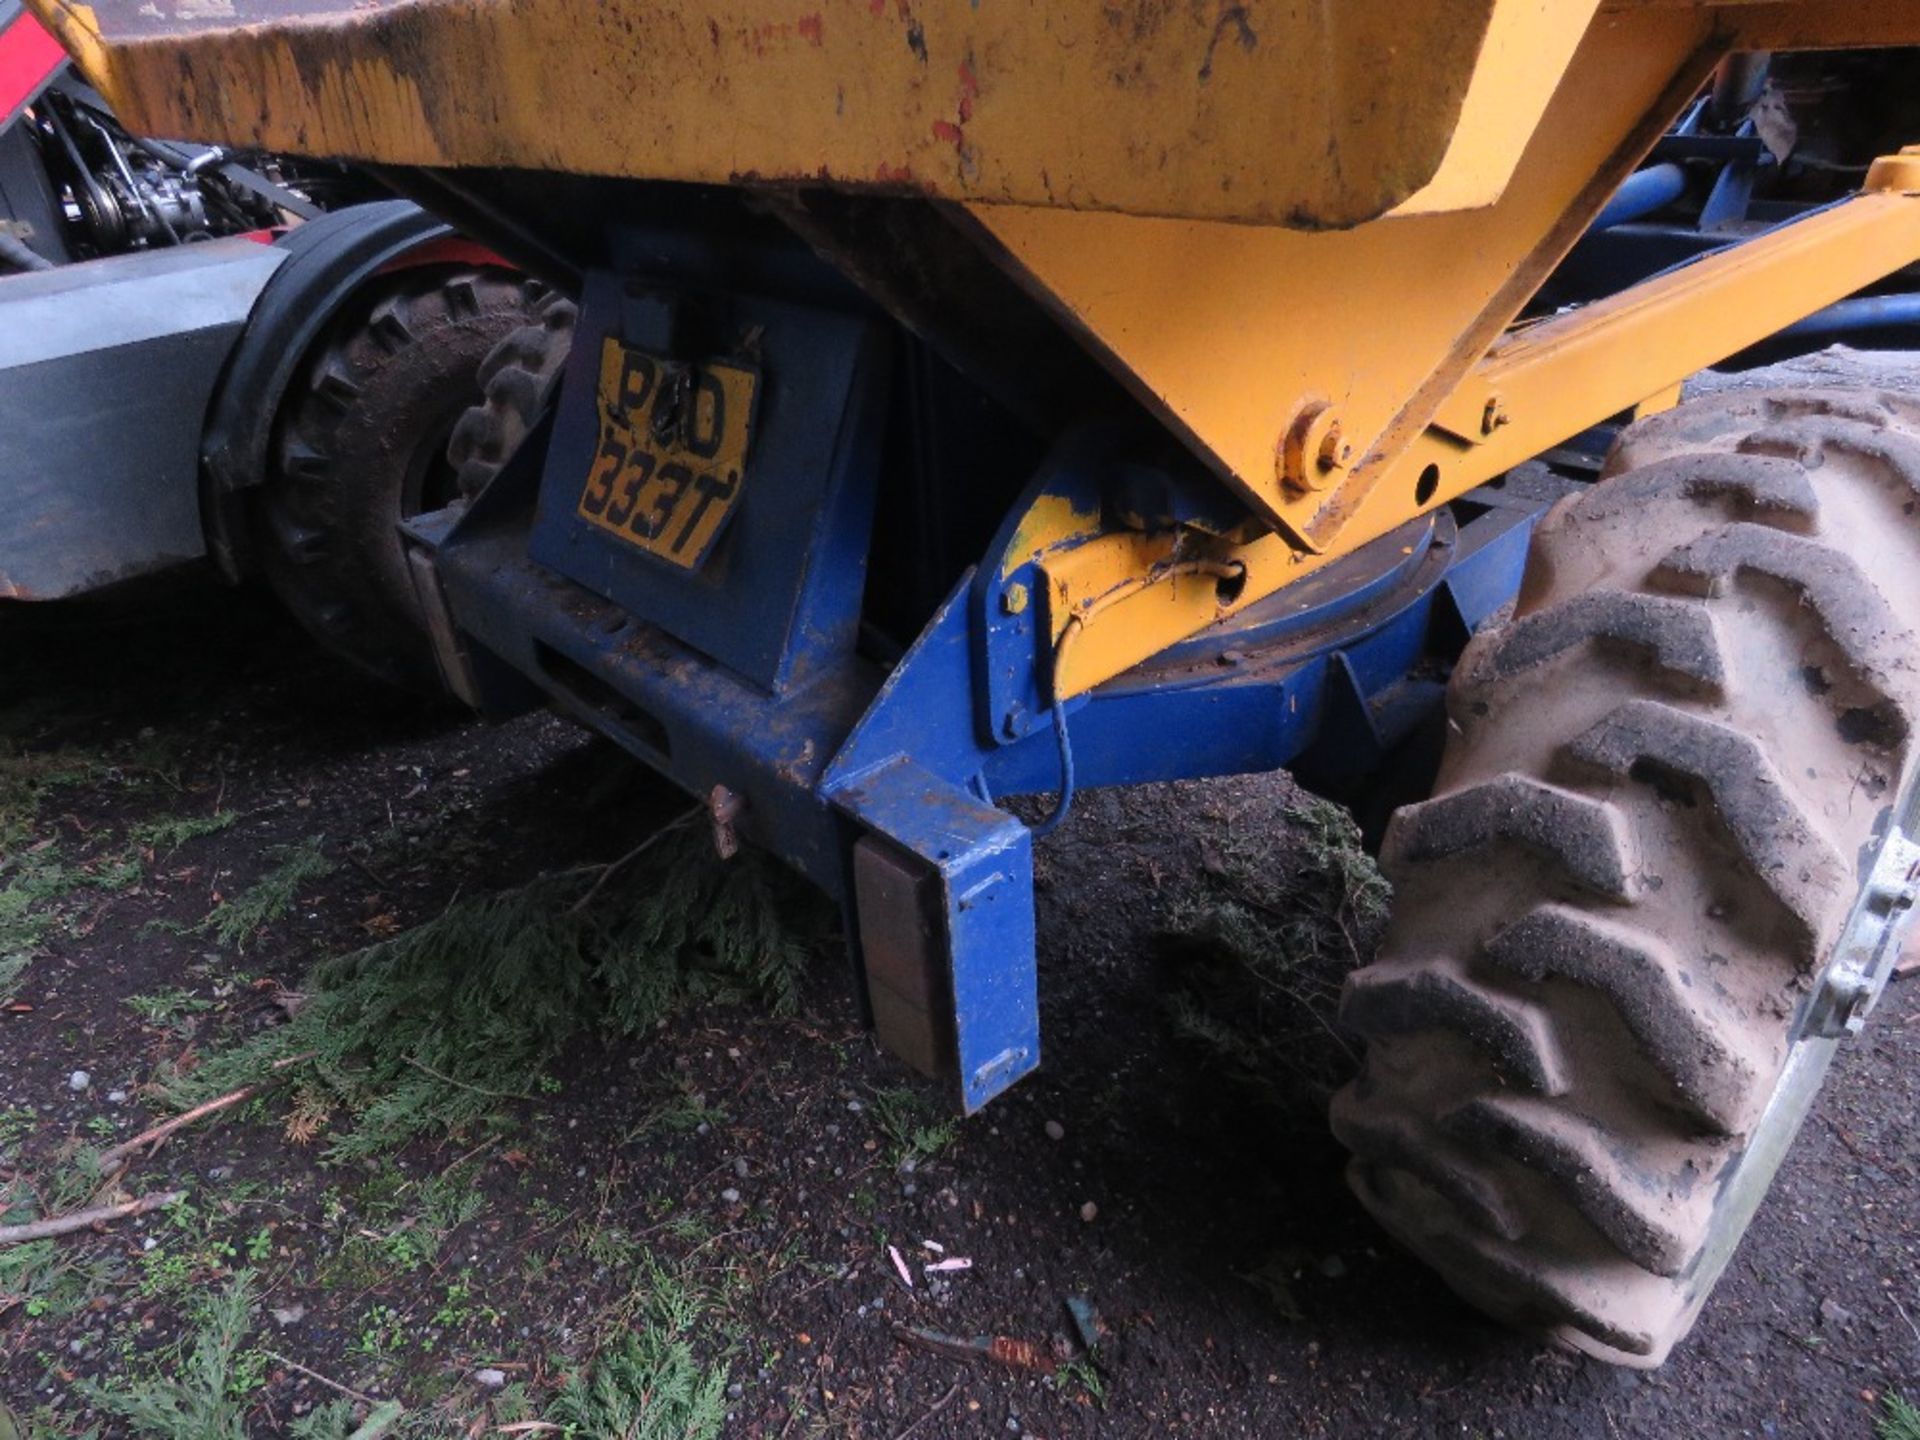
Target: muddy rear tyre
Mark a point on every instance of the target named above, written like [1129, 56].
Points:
[1598, 1013]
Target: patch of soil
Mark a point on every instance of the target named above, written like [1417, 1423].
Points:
[1240, 1290]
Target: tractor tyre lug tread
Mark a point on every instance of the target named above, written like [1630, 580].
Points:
[1668, 773]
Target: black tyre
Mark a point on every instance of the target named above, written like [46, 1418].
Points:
[1627, 929]
[361, 444]
[517, 380]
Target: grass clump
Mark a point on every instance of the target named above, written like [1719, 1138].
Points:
[1899, 1419]
[204, 1395]
[170, 832]
[26, 777]
[31, 886]
[12, 966]
[405, 1230]
[435, 1028]
[1283, 913]
[914, 1133]
[167, 1007]
[237, 920]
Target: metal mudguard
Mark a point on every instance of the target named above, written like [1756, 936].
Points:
[106, 371]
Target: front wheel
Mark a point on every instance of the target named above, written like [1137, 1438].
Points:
[1666, 865]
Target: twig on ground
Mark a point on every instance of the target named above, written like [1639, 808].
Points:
[461, 1084]
[1844, 1138]
[333, 1385]
[117, 1155]
[607, 871]
[85, 1219]
[931, 1411]
[1905, 1316]
[380, 1423]
[368, 871]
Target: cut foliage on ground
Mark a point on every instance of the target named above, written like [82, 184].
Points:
[430, 1031]
[1281, 914]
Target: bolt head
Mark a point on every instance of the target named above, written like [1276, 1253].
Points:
[1312, 450]
[1336, 451]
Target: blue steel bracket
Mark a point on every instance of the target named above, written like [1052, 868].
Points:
[945, 914]
[944, 901]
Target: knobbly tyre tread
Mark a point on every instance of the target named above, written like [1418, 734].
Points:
[1386, 1001]
[1643, 980]
[1675, 635]
[1663, 778]
[517, 380]
[1585, 838]
[357, 448]
[1728, 773]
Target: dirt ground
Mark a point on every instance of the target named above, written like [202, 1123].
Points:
[736, 1180]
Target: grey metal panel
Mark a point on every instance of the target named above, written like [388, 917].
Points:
[106, 371]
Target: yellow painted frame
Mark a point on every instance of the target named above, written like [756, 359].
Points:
[1550, 381]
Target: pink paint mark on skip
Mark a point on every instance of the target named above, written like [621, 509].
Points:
[893, 174]
[813, 28]
[948, 131]
[969, 87]
[876, 7]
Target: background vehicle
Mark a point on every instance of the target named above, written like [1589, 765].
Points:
[965, 402]
[191, 338]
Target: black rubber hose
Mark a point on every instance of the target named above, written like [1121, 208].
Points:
[15, 255]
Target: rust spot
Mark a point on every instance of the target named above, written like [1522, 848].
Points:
[894, 174]
[948, 131]
[813, 28]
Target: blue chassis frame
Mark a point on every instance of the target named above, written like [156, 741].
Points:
[748, 674]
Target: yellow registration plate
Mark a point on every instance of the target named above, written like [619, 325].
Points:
[672, 453]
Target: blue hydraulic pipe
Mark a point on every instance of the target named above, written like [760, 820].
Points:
[1644, 192]
[1875, 312]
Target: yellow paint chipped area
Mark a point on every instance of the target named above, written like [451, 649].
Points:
[1051, 520]
[1268, 111]
[1137, 624]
